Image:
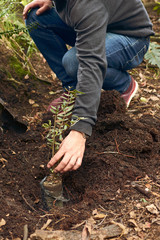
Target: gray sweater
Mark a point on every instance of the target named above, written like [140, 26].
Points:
[91, 19]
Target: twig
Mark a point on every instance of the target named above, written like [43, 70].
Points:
[46, 215]
[59, 220]
[102, 220]
[69, 193]
[27, 201]
[25, 235]
[141, 190]
[122, 153]
[109, 152]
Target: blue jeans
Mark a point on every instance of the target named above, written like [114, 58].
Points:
[51, 36]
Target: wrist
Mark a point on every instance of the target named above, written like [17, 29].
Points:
[79, 133]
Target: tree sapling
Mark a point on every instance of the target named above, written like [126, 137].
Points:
[52, 184]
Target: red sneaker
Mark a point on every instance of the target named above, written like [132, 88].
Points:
[55, 103]
[59, 101]
[130, 92]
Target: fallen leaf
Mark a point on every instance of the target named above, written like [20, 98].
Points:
[87, 230]
[156, 220]
[146, 226]
[94, 212]
[152, 209]
[154, 98]
[26, 77]
[139, 206]
[52, 93]
[132, 214]
[134, 238]
[134, 224]
[148, 186]
[2, 222]
[143, 99]
[157, 203]
[3, 161]
[35, 105]
[99, 216]
[37, 201]
[31, 101]
[124, 229]
[142, 76]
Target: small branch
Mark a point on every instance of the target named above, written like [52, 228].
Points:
[142, 190]
[122, 153]
[109, 152]
[26, 201]
[25, 235]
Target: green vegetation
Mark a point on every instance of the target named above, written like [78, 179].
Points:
[157, 7]
[14, 36]
[153, 54]
[61, 120]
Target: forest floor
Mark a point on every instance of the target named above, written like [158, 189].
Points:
[119, 180]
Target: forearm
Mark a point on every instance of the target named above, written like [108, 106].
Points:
[90, 45]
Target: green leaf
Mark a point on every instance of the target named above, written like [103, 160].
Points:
[153, 54]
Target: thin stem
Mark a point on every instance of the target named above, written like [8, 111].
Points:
[53, 143]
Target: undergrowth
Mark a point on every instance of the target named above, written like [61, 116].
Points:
[15, 38]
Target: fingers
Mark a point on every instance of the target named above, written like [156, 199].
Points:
[42, 4]
[42, 10]
[70, 153]
[73, 164]
[55, 158]
[68, 163]
[28, 7]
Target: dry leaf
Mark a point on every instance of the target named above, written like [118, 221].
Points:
[143, 77]
[154, 98]
[26, 77]
[2, 222]
[157, 203]
[143, 99]
[134, 238]
[146, 225]
[132, 214]
[3, 161]
[148, 186]
[35, 105]
[94, 212]
[156, 220]
[31, 101]
[124, 229]
[139, 206]
[152, 209]
[87, 230]
[134, 224]
[99, 216]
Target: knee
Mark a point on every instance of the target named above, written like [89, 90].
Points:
[31, 18]
[70, 63]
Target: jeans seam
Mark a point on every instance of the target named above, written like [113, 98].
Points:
[129, 45]
[131, 60]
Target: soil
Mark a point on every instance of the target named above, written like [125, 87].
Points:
[123, 150]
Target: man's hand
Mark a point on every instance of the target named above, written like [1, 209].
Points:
[72, 150]
[43, 5]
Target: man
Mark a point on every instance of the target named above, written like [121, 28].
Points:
[108, 37]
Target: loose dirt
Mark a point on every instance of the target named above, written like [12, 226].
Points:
[123, 149]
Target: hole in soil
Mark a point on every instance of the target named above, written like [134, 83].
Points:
[8, 122]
